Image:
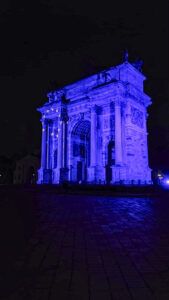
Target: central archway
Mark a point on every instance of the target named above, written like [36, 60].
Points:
[80, 151]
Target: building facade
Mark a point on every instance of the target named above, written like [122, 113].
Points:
[95, 130]
[26, 170]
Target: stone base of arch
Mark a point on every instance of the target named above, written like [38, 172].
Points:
[119, 174]
[40, 176]
[125, 175]
[45, 176]
[64, 175]
[100, 175]
[56, 176]
[91, 174]
[60, 175]
[96, 175]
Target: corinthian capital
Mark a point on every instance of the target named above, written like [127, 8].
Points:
[117, 102]
[44, 122]
[94, 108]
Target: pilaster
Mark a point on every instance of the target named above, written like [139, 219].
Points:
[91, 171]
[50, 144]
[44, 145]
[60, 147]
[93, 137]
[118, 141]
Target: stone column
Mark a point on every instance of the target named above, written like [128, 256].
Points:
[146, 136]
[66, 144]
[118, 141]
[91, 171]
[55, 140]
[69, 159]
[100, 137]
[62, 148]
[93, 137]
[49, 144]
[63, 144]
[59, 154]
[44, 145]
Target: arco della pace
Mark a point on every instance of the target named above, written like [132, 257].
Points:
[95, 130]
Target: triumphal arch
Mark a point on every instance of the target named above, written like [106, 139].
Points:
[95, 130]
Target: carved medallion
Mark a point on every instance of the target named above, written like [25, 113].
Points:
[136, 117]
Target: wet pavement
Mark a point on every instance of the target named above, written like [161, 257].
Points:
[96, 248]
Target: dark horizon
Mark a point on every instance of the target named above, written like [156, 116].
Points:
[47, 45]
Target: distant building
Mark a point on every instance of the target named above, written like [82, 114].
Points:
[5, 170]
[26, 170]
[95, 130]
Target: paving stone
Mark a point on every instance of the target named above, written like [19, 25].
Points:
[79, 285]
[44, 280]
[87, 247]
[121, 294]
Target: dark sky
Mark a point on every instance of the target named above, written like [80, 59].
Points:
[46, 44]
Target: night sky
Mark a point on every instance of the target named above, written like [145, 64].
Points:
[47, 44]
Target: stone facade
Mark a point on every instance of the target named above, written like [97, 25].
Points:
[95, 130]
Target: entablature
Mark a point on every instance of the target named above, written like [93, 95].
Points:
[137, 94]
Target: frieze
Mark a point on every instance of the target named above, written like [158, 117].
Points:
[76, 116]
[136, 117]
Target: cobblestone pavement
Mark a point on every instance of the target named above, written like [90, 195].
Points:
[95, 248]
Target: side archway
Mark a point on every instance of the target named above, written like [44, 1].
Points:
[80, 151]
[110, 160]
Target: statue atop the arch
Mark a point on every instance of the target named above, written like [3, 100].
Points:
[126, 55]
[98, 136]
[138, 65]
